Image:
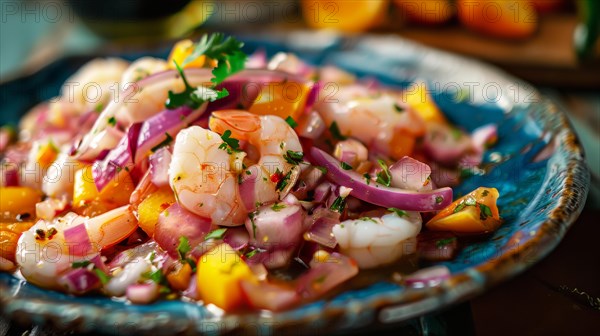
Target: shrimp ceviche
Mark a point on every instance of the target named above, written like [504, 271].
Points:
[233, 180]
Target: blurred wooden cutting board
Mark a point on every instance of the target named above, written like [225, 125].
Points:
[546, 59]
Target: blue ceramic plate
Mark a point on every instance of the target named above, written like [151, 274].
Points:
[537, 165]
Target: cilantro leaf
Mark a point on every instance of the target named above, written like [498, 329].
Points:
[345, 166]
[184, 247]
[233, 143]
[384, 176]
[225, 50]
[80, 264]
[338, 204]
[216, 234]
[291, 122]
[277, 207]
[186, 97]
[292, 157]
[443, 242]
[335, 131]
[104, 278]
[400, 213]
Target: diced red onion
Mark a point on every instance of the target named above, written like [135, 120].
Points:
[378, 194]
[323, 191]
[142, 293]
[482, 137]
[141, 251]
[321, 232]
[437, 245]
[237, 238]
[257, 60]
[264, 295]
[176, 222]
[428, 277]
[325, 275]
[276, 229]
[77, 240]
[351, 151]
[410, 174]
[313, 95]
[159, 167]
[311, 126]
[445, 144]
[192, 290]
[79, 281]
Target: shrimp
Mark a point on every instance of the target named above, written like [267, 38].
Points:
[375, 241]
[279, 154]
[142, 68]
[43, 253]
[380, 120]
[93, 84]
[202, 177]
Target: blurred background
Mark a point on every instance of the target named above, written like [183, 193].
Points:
[553, 44]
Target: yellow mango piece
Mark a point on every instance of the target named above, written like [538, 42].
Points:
[47, 154]
[18, 200]
[179, 278]
[84, 189]
[220, 272]
[115, 194]
[473, 213]
[346, 15]
[281, 99]
[181, 51]
[417, 97]
[152, 206]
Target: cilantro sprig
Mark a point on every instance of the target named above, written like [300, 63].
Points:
[226, 51]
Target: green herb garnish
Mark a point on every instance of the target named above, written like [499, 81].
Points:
[184, 247]
[485, 211]
[384, 176]
[104, 278]
[283, 182]
[216, 234]
[293, 157]
[291, 122]
[338, 204]
[398, 108]
[335, 131]
[112, 121]
[231, 142]
[80, 264]
[277, 207]
[367, 178]
[439, 199]
[345, 166]
[400, 213]
[443, 242]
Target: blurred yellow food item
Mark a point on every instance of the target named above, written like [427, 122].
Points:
[282, 99]
[344, 15]
[181, 51]
[417, 97]
[152, 206]
[220, 271]
[16, 201]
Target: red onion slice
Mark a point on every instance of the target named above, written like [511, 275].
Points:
[325, 275]
[437, 246]
[176, 222]
[378, 194]
[159, 167]
[142, 293]
[77, 240]
[321, 232]
[410, 174]
[264, 295]
[428, 277]
[79, 281]
[237, 238]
